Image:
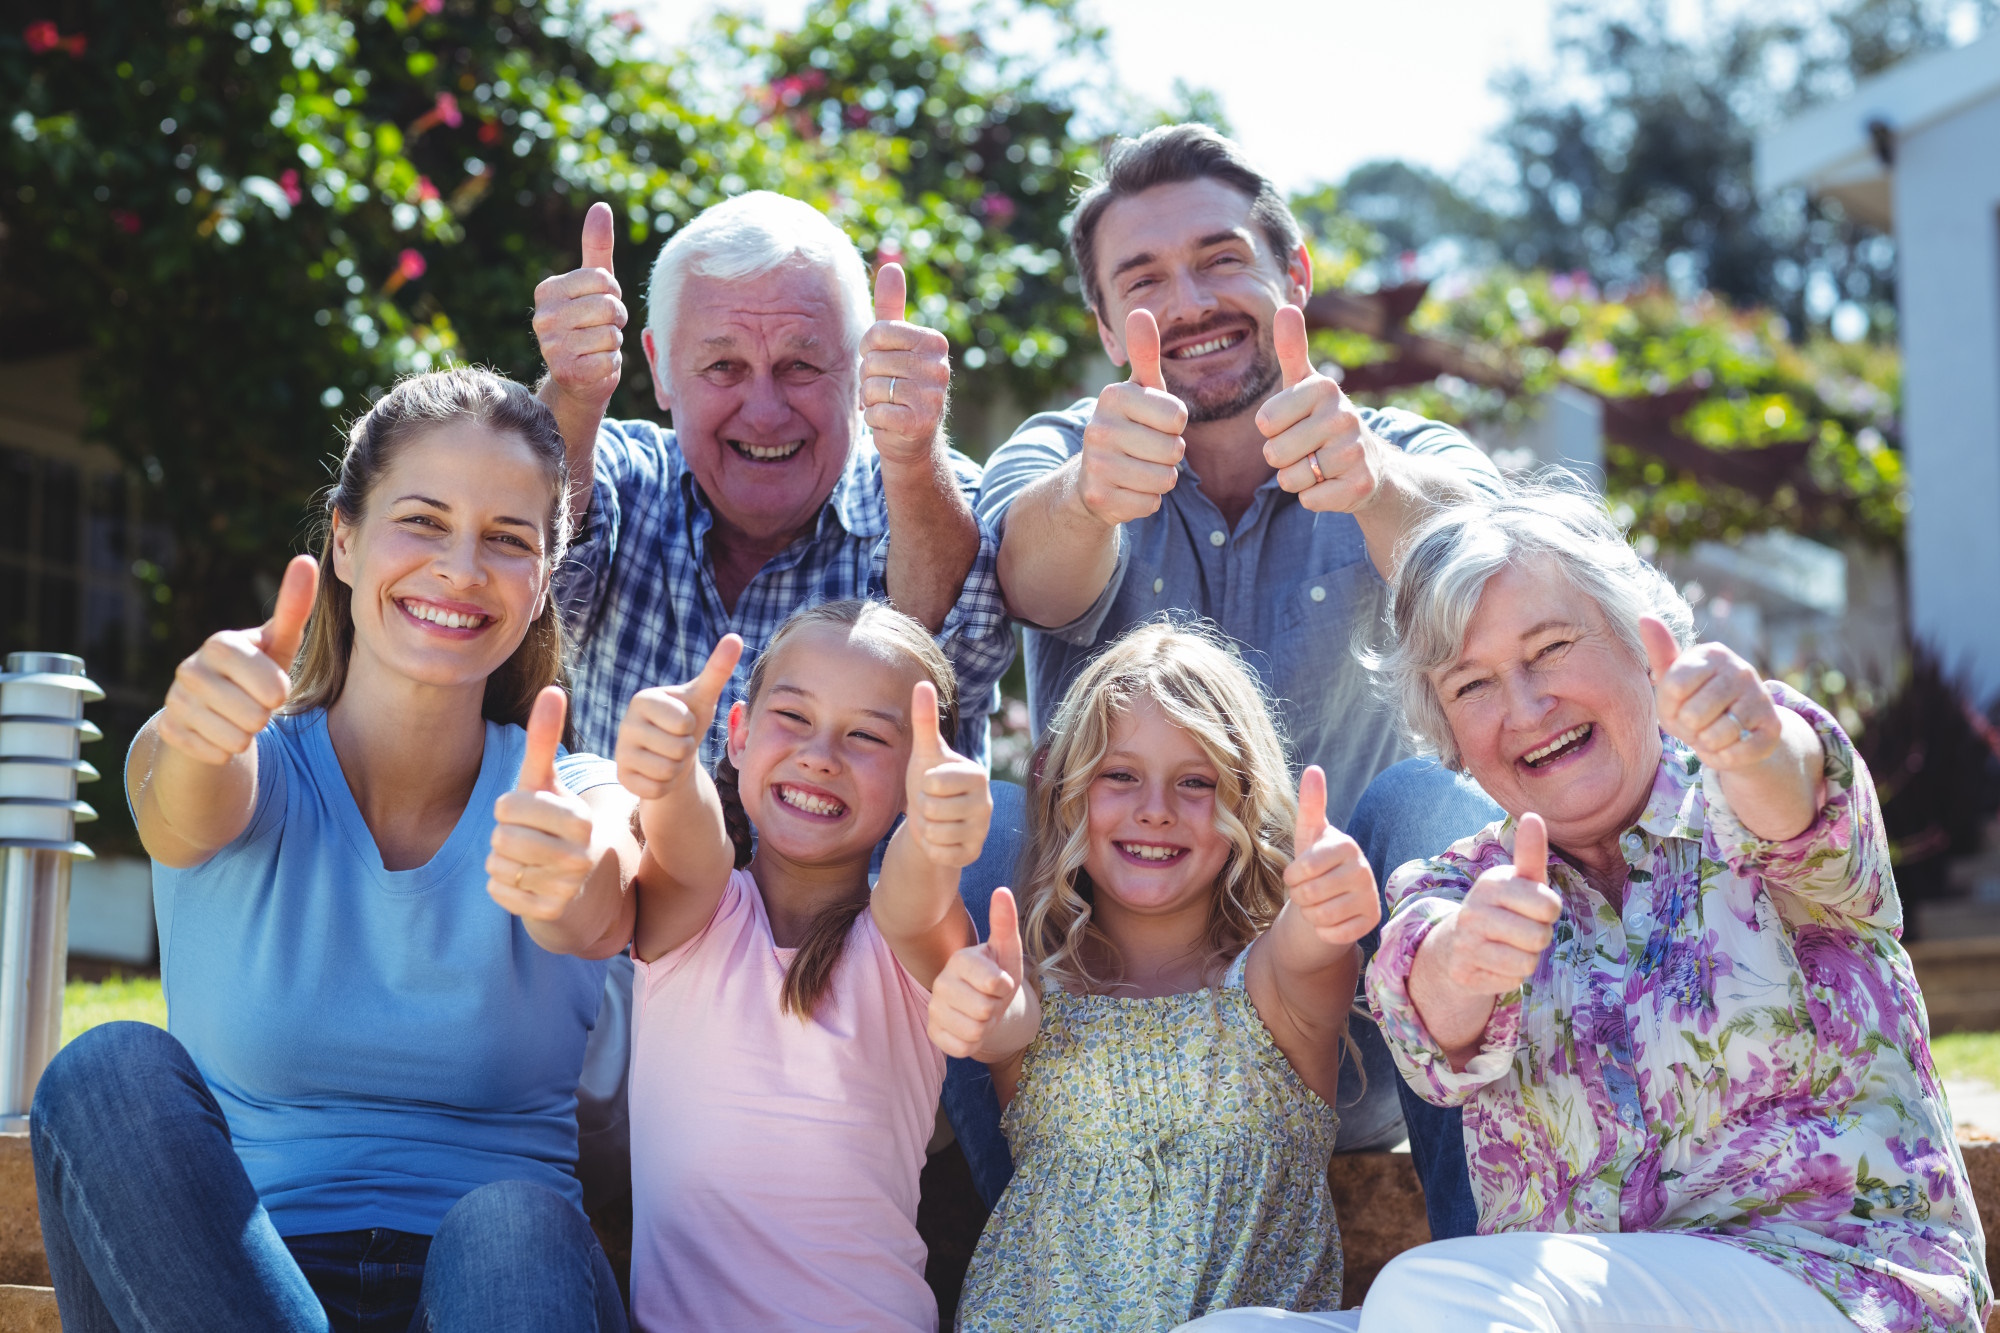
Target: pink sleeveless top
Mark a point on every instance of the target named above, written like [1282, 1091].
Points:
[775, 1160]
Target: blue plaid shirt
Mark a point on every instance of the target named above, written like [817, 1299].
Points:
[638, 590]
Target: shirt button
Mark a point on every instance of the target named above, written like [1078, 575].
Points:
[1218, 537]
[1319, 594]
[1159, 586]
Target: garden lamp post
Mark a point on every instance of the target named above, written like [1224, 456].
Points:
[42, 731]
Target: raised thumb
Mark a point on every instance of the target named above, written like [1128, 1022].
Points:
[279, 637]
[1288, 335]
[1661, 649]
[927, 743]
[705, 690]
[1312, 809]
[1142, 349]
[1004, 933]
[598, 234]
[891, 292]
[1531, 849]
[545, 726]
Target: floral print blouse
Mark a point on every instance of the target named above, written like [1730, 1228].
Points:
[1741, 1053]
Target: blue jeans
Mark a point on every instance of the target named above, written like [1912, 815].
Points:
[150, 1222]
[1413, 810]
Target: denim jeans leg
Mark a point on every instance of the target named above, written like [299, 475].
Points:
[147, 1215]
[516, 1257]
[1414, 810]
[969, 1102]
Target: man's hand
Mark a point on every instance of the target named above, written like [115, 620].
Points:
[1132, 447]
[980, 987]
[1497, 936]
[1712, 699]
[1310, 420]
[580, 321]
[1329, 879]
[225, 693]
[948, 804]
[543, 848]
[905, 376]
[659, 742]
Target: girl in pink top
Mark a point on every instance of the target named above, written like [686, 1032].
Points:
[783, 1088]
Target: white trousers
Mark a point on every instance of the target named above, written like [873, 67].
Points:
[1529, 1282]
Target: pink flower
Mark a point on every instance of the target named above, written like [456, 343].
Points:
[125, 220]
[627, 22]
[41, 36]
[75, 43]
[447, 110]
[999, 209]
[288, 181]
[410, 265]
[425, 190]
[431, 6]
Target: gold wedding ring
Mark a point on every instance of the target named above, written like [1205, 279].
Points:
[517, 876]
[1312, 460]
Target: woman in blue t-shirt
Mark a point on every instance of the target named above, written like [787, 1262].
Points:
[370, 871]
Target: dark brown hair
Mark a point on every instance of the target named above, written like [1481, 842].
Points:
[1171, 155]
[419, 404]
[812, 966]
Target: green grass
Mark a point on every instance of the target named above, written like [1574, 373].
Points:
[1968, 1055]
[89, 1003]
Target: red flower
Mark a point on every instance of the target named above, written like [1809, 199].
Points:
[999, 209]
[125, 220]
[410, 265]
[489, 132]
[447, 110]
[627, 22]
[288, 181]
[41, 36]
[75, 43]
[425, 190]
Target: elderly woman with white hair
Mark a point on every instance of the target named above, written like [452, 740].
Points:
[1667, 988]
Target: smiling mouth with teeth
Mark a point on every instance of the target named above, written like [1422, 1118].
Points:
[1151, 851]
[437, 615]
[806, 801]
[1561, 745]
[767, 453]
[1219, 342]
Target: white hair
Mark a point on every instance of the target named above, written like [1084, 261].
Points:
[1447, 561]
[749, 236]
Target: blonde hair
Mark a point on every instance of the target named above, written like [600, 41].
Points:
[1199, 682]
[812, 966]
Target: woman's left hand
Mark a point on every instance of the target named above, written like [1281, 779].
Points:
[543, 836]
[1712, 699]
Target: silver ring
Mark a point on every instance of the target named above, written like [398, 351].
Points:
[1743, 733]
[1312, 459]
[892, 388]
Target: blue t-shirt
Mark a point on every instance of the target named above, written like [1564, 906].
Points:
[382, 1042]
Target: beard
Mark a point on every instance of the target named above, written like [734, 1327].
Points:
[1219, 400]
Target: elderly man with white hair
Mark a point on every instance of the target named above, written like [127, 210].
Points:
[807, 462]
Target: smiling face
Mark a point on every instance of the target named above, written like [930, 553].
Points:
[764, 390]
[1154, 847]
[446, 565]
[1191, 253]
[1550, 710]
[822, 754]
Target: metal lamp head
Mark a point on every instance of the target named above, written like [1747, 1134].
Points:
[42, 733]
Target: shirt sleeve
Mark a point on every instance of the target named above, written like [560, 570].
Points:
[977, 636]
[1044, 443]
[1840, 864]
[629, 457]
[581, 772]
[1424, 893]
[1433, 439]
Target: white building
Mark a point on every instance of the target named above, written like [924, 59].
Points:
[1917, 150]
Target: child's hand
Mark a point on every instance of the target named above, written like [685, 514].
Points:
[947, 801]
[980, 986]
[1329, 878]
[542, 835]
[660, 739]
[225, 693]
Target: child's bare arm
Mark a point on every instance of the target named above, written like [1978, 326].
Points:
[981, 1006]
[1301, 973]
[688, 853]
[948, 807]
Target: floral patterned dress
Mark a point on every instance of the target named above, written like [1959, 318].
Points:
[1169, 1162]
[1741, 1053]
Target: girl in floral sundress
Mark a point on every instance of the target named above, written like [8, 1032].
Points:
[1167, 1042]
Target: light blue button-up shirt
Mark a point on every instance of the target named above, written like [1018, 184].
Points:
[1295, 589]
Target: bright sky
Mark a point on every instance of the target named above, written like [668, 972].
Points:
[1313, 87]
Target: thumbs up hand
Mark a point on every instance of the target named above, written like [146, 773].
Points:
[225, 693]
[543, 837]
[1712, 699]
[948, 801]
[1508, 918]
[980, 988]
[1132, 447]
[580, 319]
[1329, 879]
[659, 742]
[905, 376]
[1312, 434]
